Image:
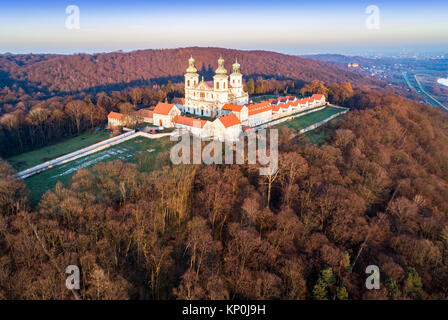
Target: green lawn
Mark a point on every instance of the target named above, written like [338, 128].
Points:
[134, 150]
[316, 136]
[270, 96]
[264, 97]
[319, 135]
[194, 116]
[26, 160]
[308, 119]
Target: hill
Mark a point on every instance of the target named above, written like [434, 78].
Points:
[116, 70]
[375, 194]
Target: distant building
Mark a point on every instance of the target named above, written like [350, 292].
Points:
[241, 112]
[318, 99]
[259, 113]
[115, 119]
[164, 113]
[145, 115]
[198, 127]
[227, 128]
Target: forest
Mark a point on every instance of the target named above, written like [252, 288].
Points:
[75, 73]
[376, 193]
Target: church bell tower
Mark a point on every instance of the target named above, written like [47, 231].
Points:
[236, 79]
[221, 82]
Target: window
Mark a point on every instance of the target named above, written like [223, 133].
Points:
[188, 83]
[217, 85]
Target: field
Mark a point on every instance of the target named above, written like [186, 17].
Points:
[26, 160]
[135, 150]
[309, 119]
[319, 135]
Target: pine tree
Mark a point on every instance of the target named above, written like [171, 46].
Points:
[320, 291]
[392, 289]
[342, 293]
[413, 284]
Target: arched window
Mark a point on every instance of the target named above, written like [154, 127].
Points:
[188, 83]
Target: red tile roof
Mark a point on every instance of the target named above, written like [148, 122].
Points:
[295, 103]
[262, 106]
[163, 108]
[191, 122]
[282, 106]
[115, 115]
[232, 107]
[317, 96]
[229, 121]
[275, 108]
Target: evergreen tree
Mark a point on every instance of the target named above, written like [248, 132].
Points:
[392, 289]
[320, 290]
[342, 293]
[413, 284]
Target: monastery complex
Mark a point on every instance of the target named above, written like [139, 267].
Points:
[225, 105]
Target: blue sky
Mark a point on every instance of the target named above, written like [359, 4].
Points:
[294, 27]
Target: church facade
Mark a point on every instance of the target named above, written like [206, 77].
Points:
[206, 99]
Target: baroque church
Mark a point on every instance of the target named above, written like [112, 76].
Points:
[206, 99]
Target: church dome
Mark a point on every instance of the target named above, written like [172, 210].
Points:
[221, 69]
[236, 67]
[191, 68]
